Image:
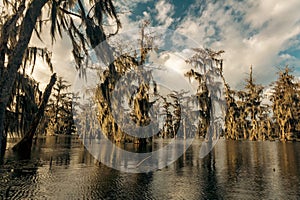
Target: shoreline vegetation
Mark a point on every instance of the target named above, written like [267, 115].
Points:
[25, 110]
[78, 137]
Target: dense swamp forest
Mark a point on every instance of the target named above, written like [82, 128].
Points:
[147, 126]
[255, 112]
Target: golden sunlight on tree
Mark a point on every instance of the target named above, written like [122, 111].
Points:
[21, 19]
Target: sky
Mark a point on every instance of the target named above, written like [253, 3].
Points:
[264, 34]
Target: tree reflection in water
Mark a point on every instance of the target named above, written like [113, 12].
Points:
[233, 170]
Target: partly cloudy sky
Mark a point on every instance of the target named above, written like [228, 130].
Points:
[264, 34]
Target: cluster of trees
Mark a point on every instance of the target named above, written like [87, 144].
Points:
[170, 105]
[247, 117]
[21, 19]
[58, 117]
[22, 104]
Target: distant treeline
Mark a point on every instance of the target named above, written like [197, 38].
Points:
[248, 118]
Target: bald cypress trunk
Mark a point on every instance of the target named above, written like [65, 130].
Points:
[2, 131]
[24, 146]
[9, 74]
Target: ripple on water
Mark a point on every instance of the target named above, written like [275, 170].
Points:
[233, 170]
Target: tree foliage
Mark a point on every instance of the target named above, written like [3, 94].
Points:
[248, 118]
[285, 104]
[59, 114]
[23, 104]
[20, 19]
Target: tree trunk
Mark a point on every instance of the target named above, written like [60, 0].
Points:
[2, 133]
[24, 146]
[15, 60]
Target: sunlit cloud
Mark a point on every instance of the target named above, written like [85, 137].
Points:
[264, 34]
[165, 10]
[251, 32]
[62, 59]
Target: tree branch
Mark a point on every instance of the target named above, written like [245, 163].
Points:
[16, 57]
[70, 13]
[6, 29]
[25, 144]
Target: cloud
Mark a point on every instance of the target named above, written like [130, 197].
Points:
[258, 33]
[286, 56]
[130, 4]
[165, 10]
[62, 59]
[250, 32]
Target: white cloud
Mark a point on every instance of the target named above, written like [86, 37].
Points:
[251, 33]
[165, 10]
[146, 15]
[128, 3]
[270, 26]
[190, 27]
[277, 13]
[62, 58]
[286, 56]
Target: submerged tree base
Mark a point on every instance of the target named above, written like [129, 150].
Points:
[23, 148]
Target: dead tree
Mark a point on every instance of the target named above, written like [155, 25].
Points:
[24, 145]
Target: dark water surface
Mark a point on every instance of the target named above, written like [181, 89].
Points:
[60, 168]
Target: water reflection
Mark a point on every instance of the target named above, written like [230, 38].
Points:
[61, 168]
